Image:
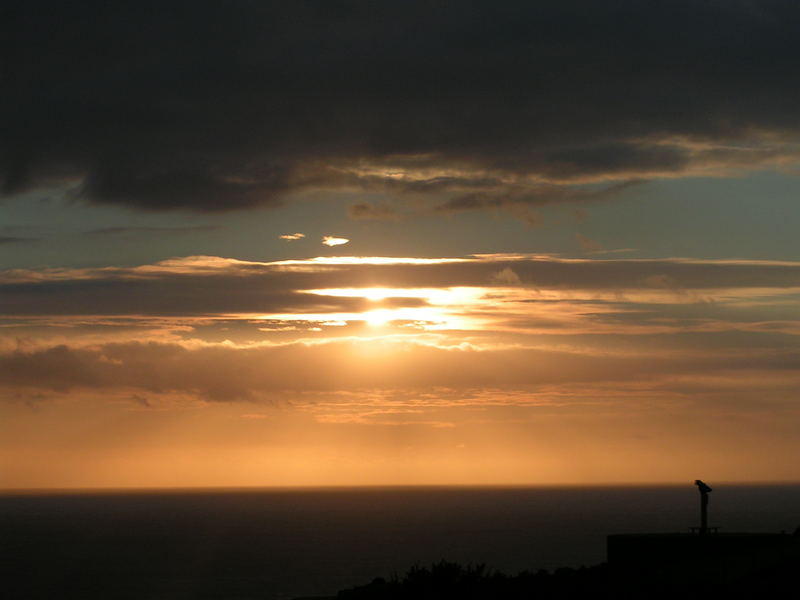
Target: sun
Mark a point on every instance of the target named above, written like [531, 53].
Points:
[378, 318]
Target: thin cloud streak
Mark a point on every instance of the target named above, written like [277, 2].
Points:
[16, 240]
[150, 230]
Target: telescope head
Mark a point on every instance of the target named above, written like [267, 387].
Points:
[704, 489]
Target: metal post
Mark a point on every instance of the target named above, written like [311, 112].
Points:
[704, 490]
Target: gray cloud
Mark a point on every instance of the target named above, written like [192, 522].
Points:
[516, 197]
[212, 107]
[145, 230]
[261, 371]
[370, 212]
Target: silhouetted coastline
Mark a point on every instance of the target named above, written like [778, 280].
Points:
[284, 544]
[451, 581]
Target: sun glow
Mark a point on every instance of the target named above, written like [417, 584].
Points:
[418, 308]
[440, 307]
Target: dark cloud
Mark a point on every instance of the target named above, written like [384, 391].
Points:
[16, 240]
[214, 106]
[168, 296]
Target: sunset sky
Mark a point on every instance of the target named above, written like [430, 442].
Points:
[371, 243]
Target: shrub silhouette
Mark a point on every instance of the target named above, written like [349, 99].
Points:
[447, 580]
[450, 581]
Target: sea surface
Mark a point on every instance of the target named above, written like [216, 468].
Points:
[280, 544]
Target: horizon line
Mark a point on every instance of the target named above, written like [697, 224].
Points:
[43, 491]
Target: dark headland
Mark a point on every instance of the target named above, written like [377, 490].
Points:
[701, 563]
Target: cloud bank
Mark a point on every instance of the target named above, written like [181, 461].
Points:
[222, 329]
[211, 107]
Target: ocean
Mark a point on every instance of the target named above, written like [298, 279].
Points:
[279, 544]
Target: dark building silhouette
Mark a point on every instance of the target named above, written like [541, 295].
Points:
[702, 556]
[682, 558]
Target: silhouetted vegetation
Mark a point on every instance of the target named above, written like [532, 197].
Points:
[446, 580]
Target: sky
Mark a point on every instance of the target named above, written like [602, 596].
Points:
[369, 243]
